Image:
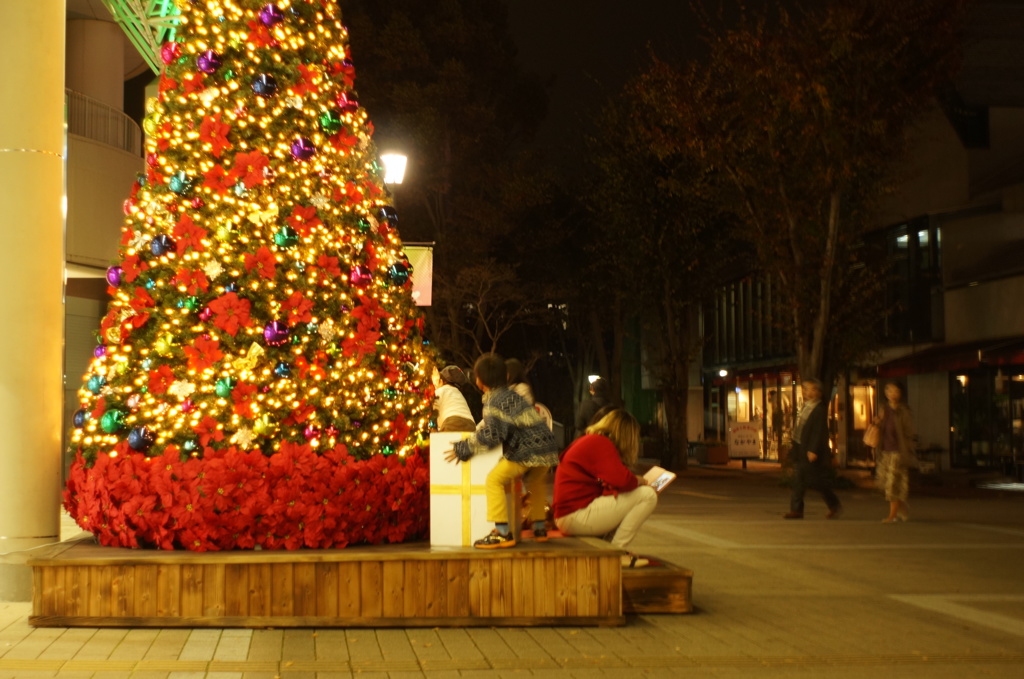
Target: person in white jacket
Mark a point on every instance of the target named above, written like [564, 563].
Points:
[453, 413]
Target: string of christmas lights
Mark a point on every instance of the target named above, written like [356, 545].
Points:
[262, 301]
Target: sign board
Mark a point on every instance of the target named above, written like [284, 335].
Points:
[421, 257]
[744, 439]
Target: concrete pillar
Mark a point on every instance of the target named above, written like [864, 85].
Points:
[31, 281]
[95, 61]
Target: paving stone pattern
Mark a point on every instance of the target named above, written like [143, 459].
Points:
[938, 597]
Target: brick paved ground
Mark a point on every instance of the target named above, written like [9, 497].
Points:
[941, 596]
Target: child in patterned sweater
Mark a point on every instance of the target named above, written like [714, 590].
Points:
[528, 451]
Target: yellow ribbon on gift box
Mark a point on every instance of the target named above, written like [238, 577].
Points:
[466, 489]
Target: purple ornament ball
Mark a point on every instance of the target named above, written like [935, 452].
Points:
[311, 432]
[276, 333]
[208, 62]
[100, 351]
[271, 15]
[303, 149]
[114, 275]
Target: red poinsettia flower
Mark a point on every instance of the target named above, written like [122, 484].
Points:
[160, 380]
[304, 220]
[193, 82]
[165, 473]
[214, 131]
[351, 193]
[141, 300]
[108, 321]
[187, 234]
[259, 34]
[194, 280]
[390, 370]
[309, 76]
[400, 431]
[369, 312]
[99, 408]
[231, 312]
[311, 368]
[372, 189]
[244, 396]
[134, 323]
[299, 308]
[232, 499]
[300, 414]
[167, 85]
[218, 179]
[346, 71]
[249, 168]
[203, 353]
[263, 262]
[343, 141]
[185, 504]
[370, 255]
[208, 430]
[330, 265]
[127, 236]
[139, 506]
[362, 342]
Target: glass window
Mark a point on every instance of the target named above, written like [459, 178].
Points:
[924, 252]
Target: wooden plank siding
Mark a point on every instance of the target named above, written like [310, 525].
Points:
[568, 581]
[658, 588]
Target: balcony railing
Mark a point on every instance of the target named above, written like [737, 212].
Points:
[95, 120]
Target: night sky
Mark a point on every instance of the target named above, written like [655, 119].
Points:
[589, 48]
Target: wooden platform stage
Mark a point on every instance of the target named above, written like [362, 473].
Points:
[568, 581]
[661, 587]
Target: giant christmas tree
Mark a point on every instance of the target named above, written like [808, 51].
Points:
[260, 378]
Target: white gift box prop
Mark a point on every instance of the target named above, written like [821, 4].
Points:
[458, 501]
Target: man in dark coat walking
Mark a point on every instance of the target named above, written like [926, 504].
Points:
[812, 456]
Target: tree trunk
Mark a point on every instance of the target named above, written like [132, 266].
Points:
[677, 444]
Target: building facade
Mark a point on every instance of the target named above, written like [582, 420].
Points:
[953, 236]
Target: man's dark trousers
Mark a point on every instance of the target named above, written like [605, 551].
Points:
[812, 476]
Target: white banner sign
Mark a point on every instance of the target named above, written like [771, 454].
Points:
[744, 439]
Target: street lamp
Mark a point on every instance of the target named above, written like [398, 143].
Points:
[394, 167]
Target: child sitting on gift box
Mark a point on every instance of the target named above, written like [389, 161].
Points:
[453, 413]
[528, 451]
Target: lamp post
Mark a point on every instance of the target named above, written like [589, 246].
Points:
[394, 167]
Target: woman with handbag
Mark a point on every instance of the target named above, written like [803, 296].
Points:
[896, 454]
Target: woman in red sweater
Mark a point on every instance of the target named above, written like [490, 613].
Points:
[596, 492]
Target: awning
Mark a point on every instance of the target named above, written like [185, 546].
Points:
[957, 357]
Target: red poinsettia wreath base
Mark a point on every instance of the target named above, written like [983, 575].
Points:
[233, 499]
